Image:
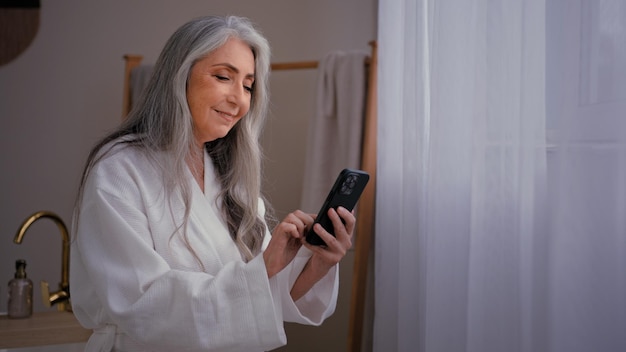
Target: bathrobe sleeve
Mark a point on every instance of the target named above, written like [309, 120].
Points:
[317, 304]
[119, 279]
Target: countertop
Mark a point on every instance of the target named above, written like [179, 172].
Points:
[43, 328]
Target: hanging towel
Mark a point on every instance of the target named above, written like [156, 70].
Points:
[336, 131]
[139, 78]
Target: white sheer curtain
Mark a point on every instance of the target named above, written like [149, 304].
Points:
[484, 241]
[586, 119]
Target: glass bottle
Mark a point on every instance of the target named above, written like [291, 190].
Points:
[20, 303]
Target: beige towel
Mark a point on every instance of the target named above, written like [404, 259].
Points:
[335, 133]
[139, 78]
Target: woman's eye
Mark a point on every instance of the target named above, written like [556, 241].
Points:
[248, 89]
[221, 78]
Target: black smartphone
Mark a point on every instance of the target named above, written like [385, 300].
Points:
[345, 192]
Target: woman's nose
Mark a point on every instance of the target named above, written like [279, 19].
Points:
[238, 94]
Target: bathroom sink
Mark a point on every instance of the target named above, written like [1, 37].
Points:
[42, 330]
[67, 347]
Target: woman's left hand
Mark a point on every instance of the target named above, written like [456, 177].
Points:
[336, 246]
[325, 257]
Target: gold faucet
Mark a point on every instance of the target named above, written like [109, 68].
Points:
[61, 298]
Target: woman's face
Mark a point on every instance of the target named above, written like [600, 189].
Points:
[219, 90]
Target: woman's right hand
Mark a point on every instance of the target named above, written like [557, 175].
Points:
[286, 241]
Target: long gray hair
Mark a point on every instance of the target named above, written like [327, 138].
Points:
[161, 123]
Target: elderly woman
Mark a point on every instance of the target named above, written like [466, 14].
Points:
[171, 247]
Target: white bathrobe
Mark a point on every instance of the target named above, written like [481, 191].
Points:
[141, 289]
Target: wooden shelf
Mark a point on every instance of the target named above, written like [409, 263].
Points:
[43, 328]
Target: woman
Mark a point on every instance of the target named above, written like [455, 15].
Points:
[171, 249]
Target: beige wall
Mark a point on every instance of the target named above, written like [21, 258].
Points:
[65, 91]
